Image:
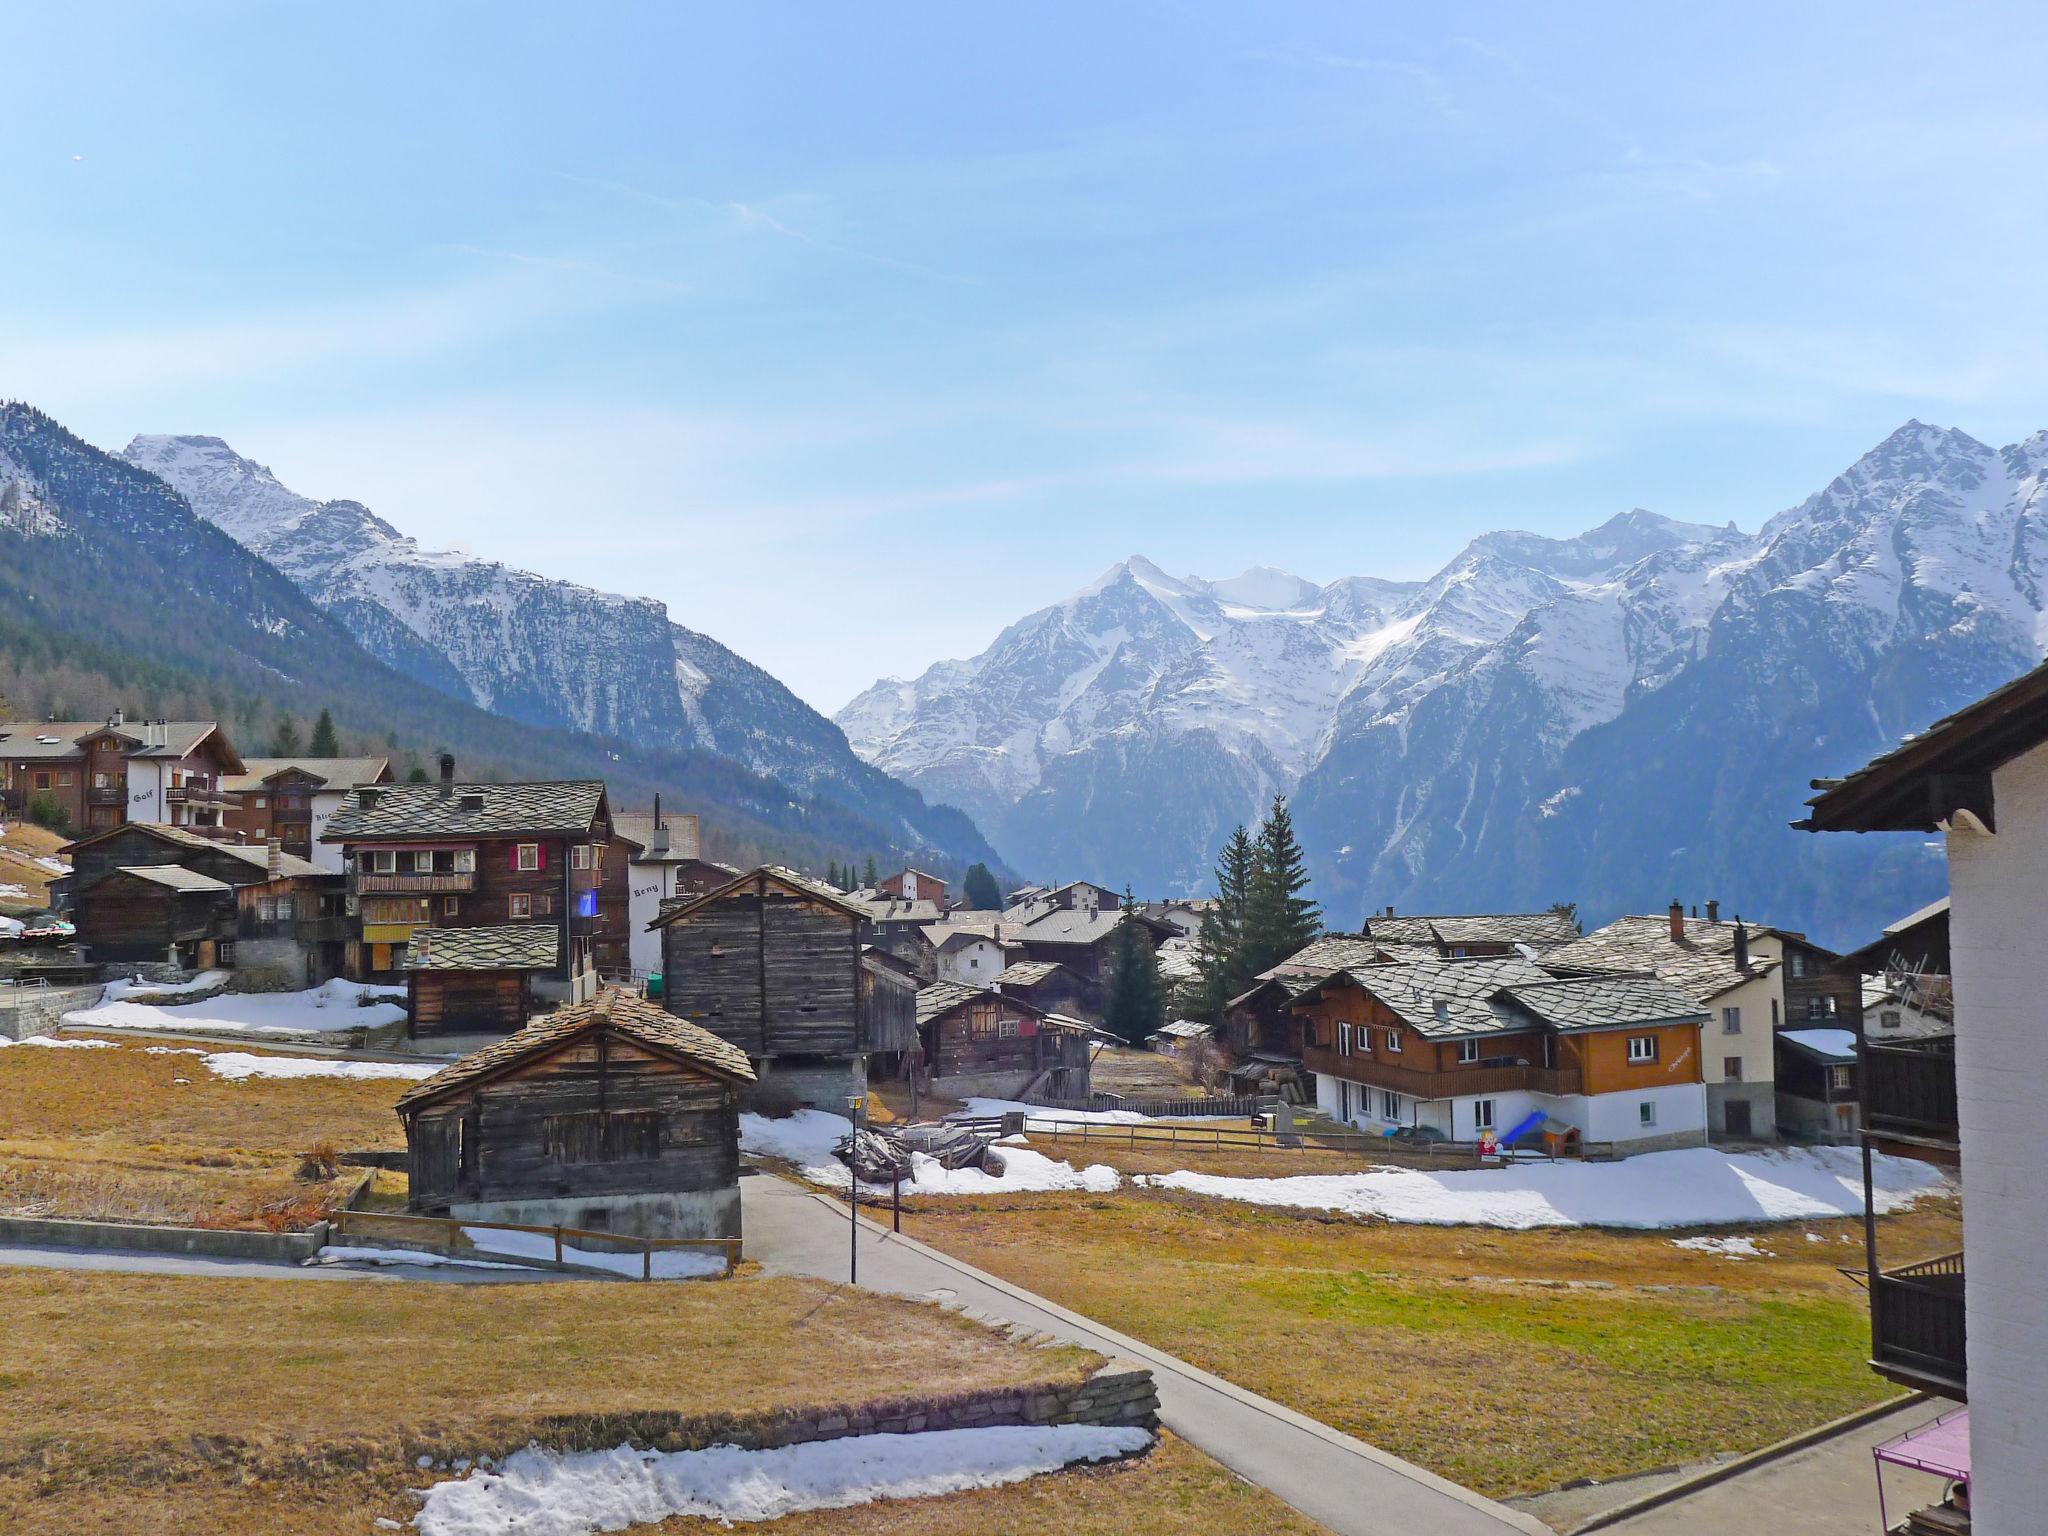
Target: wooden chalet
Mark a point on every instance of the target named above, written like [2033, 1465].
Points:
[104, 773]
[610, 1115]
[772, 963]
[1046, 985]
[290, 800]
[449, 855]
[157, 912]
[469, 981]
[976, 1040]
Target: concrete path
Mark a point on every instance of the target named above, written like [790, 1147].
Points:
[1347, 1485]
[124, 1261]
[1829, 1489]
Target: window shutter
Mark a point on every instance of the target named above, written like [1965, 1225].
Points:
[512, 857]
[540, 852]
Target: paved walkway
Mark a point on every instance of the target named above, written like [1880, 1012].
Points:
[1351, 1487]
[1829, 1489]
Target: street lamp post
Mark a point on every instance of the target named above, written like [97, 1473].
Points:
[856, 1104]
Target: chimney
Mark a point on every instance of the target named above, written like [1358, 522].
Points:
[275, 858]
[657, 809]
[1677, 922]
[1741, 946]
[1390, 909]
[117, 718]
[447, 767]
[1695, 911]
[1713, 911]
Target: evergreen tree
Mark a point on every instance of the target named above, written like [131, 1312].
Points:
[979, 891]
[870, 876]
[1278, 918]
[326, 743]
[1133, 995]
[287, 742]
[832, 875]
[1219, 944]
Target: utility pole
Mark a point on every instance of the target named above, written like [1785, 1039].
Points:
[856, 1104]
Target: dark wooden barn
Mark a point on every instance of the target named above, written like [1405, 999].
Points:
[472, 981]
[976, 1040]
[157, 912]
[771, 962]
[610, 1115]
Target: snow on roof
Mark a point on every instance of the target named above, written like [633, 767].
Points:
[1834, 1044]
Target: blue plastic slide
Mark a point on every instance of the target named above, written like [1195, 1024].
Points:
[1523, 1129]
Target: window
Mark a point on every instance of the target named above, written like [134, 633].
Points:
[520, 906]
[1817, 1009]
[1482, 1114]
[42, 781]
[1646, 1113]
[1731, 1021]
[450, 906]
[604, 1136]
[1343, 1039]
[579, 856]
[974, 962]
[262, 802]
[1008, 1029]
[1390, 1105]
[423, 861]
[383, 861]
[1731, 1068]
[1393, 1042]
[465, 861]
[1795, 962]
[1838, 1079]
[1468, 1051]
[1642, 1048]
[64, 780]
[528, 856]
[1889, 1019]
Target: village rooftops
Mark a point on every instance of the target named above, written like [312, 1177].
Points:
[1027, 973]
[255, 855]
[1332, 952]
[942, 997]
[174, 876]
[1444, 999]
[1604, 1002]
[507, 947]
[1185, 1029]
[1702, 963]
[1538, 930]
[644, 1023]
[789, 879]
[398, 812]
[64, 739]
[331, 772]
[681, 846]
[893, 909]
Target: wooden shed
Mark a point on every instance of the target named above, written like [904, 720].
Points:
[465, 981]
[977, 1040]
[771, 962]
[609, 1115]
[157, 912]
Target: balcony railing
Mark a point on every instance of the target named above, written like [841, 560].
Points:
[1909, 1088]
[415, 884]
[1375, 1071]
[106, 794]
[1917, 1333]
[198, 794]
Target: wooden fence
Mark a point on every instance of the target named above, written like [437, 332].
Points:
[451, 1235]
[1241, 1104]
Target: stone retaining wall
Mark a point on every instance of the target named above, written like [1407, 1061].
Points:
[266, 1247]
[26, 1011]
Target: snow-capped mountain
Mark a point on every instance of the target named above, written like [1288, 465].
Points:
[542, 651]
[1615, 718]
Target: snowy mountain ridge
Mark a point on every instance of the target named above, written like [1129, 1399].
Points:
[1446, 739]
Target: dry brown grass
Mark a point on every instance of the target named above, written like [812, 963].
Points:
[1509, 1361]
[138, 1403]
[121, 1135]
[20, 846]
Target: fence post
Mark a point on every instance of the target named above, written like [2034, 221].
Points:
[896, 1217]
[558, 1247]
[454, 1231]
[646, 1259]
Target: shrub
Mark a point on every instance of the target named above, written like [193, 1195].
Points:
[322, 1161]
[47, 811]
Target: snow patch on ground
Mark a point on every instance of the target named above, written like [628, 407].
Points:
[539, 1492]
[323, 1009]
[341, 1254]
[1694, 1187]
[807, 1138]
[1727, 1247]
[121, 991]
[669, 1264]
[239, 1066]
[51, 1042]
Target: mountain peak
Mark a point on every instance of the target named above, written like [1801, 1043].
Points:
[1267, 587]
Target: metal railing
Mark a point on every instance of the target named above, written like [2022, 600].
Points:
[454, 1240]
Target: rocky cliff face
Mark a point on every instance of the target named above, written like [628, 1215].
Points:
[546, 652]
[1616, 719]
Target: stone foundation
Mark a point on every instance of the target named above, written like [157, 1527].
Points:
[695, 1213]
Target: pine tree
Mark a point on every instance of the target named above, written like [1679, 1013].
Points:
[1134, 995]
[1219, 944]
[870, 876]
[287, 742]
[832, 875]
[325, 743]
[979, 891]
[1278, 918]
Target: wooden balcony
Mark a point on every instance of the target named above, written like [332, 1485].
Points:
[199, 795]
[1909, 1089]
[1917, 1333]
[110, 794]
[406, 883]
[1479, 1079]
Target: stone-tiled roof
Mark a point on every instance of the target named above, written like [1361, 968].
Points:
[333, 772]
[255, 855]
[943, 997]
[529, 809]
[893, 909]
[615, 1008]
[1332, 952]
[59, 739]
[1027, 973]
[1702, 964]
[1447, 998]
[1539, 930]
[684, 841]
[176, 877]
[505, 947]
[1605, 1002]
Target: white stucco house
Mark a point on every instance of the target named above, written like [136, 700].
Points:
[1973, 1326]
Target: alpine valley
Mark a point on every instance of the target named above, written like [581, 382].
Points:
[1618, 719]
[249, 601]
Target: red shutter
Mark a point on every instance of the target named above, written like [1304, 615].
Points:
[540, 851]
[512, 857]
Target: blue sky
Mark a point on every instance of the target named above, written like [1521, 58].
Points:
[855, 332]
